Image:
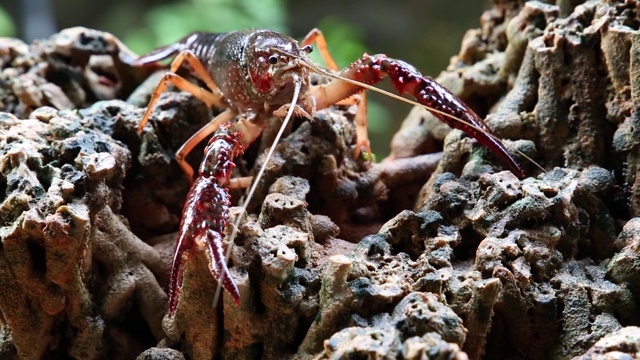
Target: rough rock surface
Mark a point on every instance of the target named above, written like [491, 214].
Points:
[336, 258]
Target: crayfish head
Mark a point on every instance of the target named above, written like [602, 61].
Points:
[273, 66]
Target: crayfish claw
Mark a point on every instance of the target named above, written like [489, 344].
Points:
[204, 218]
[218, 265]
[175, 279]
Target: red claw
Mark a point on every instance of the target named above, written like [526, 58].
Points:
[407, 80]
[205, 215]
[371, 69]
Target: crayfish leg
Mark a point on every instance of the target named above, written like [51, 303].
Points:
[204, 217]
[210, 97]
[240, 182]
[202, 73]
[316, 36]
[362, 136]
[200, 135]
[183, 84]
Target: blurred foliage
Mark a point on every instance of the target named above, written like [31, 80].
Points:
[7, 27]
[164, 24]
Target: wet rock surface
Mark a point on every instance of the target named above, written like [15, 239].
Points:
[438, 256]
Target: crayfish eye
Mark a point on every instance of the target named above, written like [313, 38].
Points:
[273, 59]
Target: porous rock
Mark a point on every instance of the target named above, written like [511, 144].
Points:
[61, 181]
[621, 344]
[335, 257]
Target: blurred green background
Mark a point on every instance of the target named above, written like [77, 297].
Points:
[425, 33]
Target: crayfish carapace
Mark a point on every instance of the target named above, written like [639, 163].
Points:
[257, 74]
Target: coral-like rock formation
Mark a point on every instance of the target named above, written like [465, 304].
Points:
[621, 344]
[63, 246]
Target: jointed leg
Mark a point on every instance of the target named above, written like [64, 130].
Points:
[198, 68]
[362, 137]
[360, 100]
[196, 138]
[211, 98]
[316, 36]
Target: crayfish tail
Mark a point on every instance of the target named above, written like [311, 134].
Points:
[200, 42]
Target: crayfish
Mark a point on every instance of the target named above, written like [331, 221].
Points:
[257, 74]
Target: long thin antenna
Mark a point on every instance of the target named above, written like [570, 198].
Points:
[236, 224]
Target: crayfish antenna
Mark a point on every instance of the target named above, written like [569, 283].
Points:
[245, 203]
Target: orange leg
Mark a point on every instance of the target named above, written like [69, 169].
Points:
[360, 100]
[362, 136]
[316, 36]
[211, 98]
[196, 138]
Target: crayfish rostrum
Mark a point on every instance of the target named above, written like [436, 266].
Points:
[257, 74]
